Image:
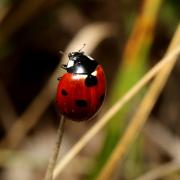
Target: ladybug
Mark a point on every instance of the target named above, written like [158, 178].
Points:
[81, 90]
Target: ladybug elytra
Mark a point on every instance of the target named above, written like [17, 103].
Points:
[81, 90]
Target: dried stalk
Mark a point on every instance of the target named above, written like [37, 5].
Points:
[53, 159]
[166, 140]
[160, 171]
[7, 110]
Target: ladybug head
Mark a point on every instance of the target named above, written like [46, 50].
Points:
[74, 58]
[74, 55]
[79, 63]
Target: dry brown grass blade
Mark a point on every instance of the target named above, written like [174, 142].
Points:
[7, 111]
[116, 107]
[23, 13]
[141, 115]
[160, 171]
[166, 140]
[92, 35]
[143, 29]
[3, 11]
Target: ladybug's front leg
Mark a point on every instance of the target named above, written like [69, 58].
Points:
[59, 78]
[64, 66]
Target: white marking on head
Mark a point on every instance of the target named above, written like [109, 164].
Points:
[94, 73]
[79, 76]
[70, 63]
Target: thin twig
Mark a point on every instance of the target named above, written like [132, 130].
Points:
[161, 171]
[141, 115]
[115, 108]
[7, 111]
[26, 10]
[166, 140]
[4, 9]
[53, 159]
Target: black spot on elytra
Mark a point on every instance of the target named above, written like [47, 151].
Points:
[101, 99]
[81, 103]
[64, 92]
[91, 81]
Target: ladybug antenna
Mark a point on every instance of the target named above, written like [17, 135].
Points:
[82, 47]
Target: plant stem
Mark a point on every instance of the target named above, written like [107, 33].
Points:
[53, 159]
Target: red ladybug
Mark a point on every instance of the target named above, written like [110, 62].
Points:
[82, 89]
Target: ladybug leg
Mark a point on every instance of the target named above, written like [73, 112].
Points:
[59, 78]
[64, 66]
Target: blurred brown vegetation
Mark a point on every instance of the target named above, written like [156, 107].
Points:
[31, 34]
